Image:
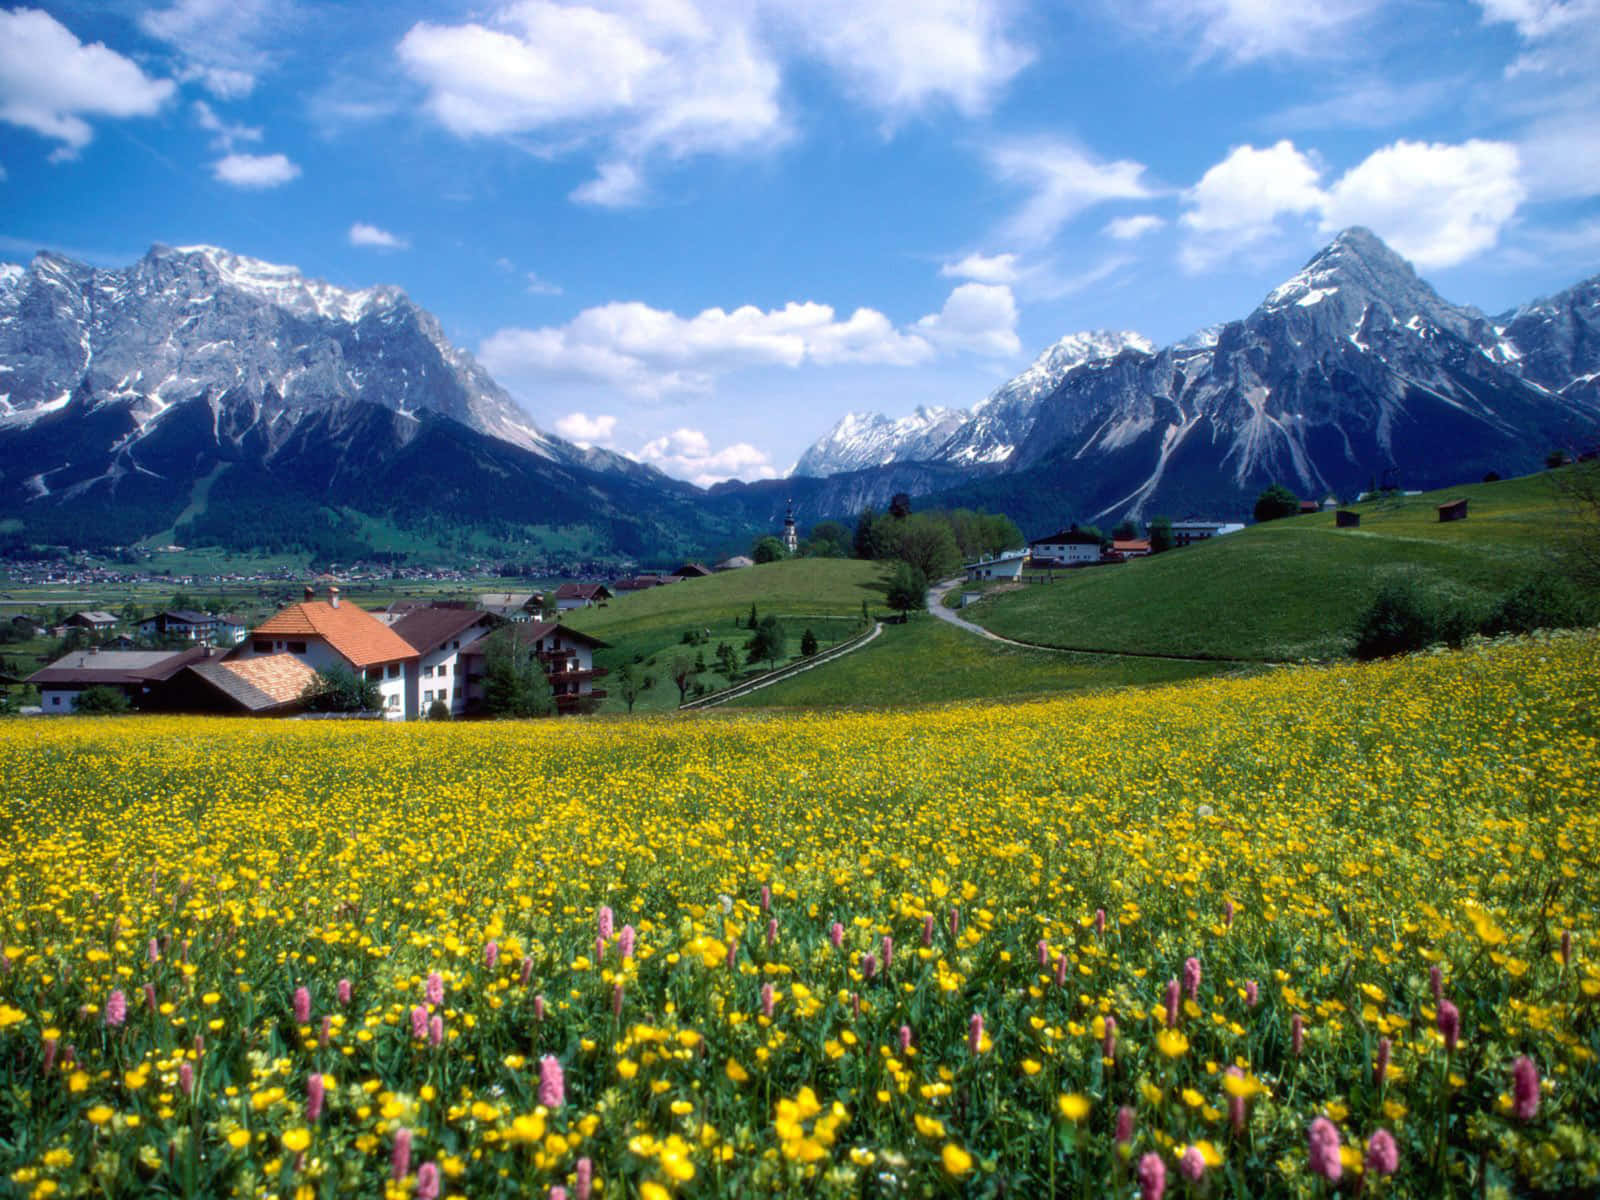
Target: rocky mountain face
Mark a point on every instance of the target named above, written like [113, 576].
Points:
[873, 440]
[1352, 373]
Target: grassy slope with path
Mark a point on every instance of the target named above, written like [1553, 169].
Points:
[927, 661]
[1291, 588]
[646, 628]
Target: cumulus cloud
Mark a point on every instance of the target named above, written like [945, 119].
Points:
[1063, 181]
[50, 82]
[226, 135]
[1128, 229]
[1559, 36]
[363, 234]
[1244, 31]
[980, 317]
[688, 454]
[651, 353]
[1241, 200]
[586, 430]
[983, 268]
[254, 170]
[1438, 205]
[617, 185]
[217, 41]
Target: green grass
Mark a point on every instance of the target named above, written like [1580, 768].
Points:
[927, 661]
[1292, 588]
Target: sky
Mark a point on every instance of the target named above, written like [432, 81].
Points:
[699, 232]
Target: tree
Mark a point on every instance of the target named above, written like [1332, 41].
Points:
[908, 589]
[768, 642]
[768, 549]
[1401, 619]
[864, 543]
[627, 685]
[750, 623]
[727, 661]
[439, 710]
[928, 544]
[102, 701]
[808, 643]
[338, 689]
[1161, 535]
[1276, 501]
[181, 600]
[1127, 529]
[900, 506]
[514, 682]
[683, 674]
[828, 539]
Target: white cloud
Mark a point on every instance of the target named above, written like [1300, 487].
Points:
[254, 170]
[1438, 205]
[651, 353]
[1128, 229]
[226, 135]
[984, 268]
[687, 454]
[586, 430]
[1240, 201]
[1368, 103]
[1063, 180]
[541, 287]
[50, 81]
[1243, 31]
[897, 56]
[1562, 35]
[617, 185]
[363, 234]
[980, 317]
[216, 41]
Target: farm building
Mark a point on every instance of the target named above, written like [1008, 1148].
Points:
[1065, 547]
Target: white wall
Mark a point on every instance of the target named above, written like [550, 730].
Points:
[1068, 552]
[443, 669]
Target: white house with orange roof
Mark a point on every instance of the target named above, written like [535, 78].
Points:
[330, 633]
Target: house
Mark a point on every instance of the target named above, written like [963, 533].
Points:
[1453, 510]
[692, 571]
[271, 685]
[95, 621]
[26, 627]
[1346, 519]
[1131, 547]
[230, 630]
[182, 624]
[566, 655]
[512, 606]
[441, 635]
[1069, 547]
[121, 642]
[329, 633]
[735, 563]
[581, 595]
[1186, 533]
[397, 609]
[637, 583]
[135, 673]
[1001, 566]
[1309, 506]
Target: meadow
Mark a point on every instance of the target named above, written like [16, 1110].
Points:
[1320, 931]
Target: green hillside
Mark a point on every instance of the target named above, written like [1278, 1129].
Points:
[647, 630]
[927, 661]
[1293, 588]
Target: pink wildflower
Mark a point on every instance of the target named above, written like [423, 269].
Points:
[1108, 1048]
[302, 1005]
[772, 932]
[186, 1078]
[616, 999]
[1172, 1004]
[527, 971]
[491, 955]
[552, 1082]
[625, 941]
[975, 1033]
[344, 993]
[927, 930]
[1044, 953]
[766, 898]
[150, 996]
[1323, 1154]
[1152, 1177]
[1297, 1034]
[855, 1005]
[557, 1192]
[116, 1009]
[1191, 977]
[836, 935]
[400, 1156]
[153, 951]
[599, 948]
[1449, 1025]
[1524, 1088]
[1383, 1156]
[888, 951]
[604, 922]
[1061, 970]
[538, 1007]
[419, 1022]
[955, 922]
[427, 1182]
[1100, 921]
[1436, 983]
[733, 952]
[1227, 914]
[766, 1000]
[325, 1033]
[1192, 1165]
[869, 966]
[1380, 1069]
[584, 1178]
[1124, 1125]
[436, 1030]
[314, 1097]
[49, 1054]
[433, 991]
[1252, 993]
[905, 1039]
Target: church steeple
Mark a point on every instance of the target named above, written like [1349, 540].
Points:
[791, 539]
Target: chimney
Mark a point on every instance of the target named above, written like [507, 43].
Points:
[311, 593]
[333, 596]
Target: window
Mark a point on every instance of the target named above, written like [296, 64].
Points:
[394, 670]
[297, 647]
[261, 647]
[427, 697]
[392, 702]
[374, 674]
[444, 693]
[56, 701]
[427, 672]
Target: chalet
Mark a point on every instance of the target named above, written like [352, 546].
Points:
[1453, 510]
[442, 635]
[134, 673]
[581, 595]
[329, 633]
[1186, 533]
[27, 627]
[1001, 566]
[271, 685]
[94, 621]
[1069, 547]
[230, 630]
[512, 606]
[692, 571]
[566, 655]
[737, 562]
[1131, 547]
[180, 625]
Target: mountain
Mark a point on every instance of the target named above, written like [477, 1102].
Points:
[873, 440]
[1352, 373]
[207, 396]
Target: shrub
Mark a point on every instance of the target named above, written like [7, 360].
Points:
[101, 701]
[338, 689]
[1402, 619]
[1276, 501]
[1542, 601]
[439, 710]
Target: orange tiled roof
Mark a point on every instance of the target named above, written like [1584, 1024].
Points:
[356, 634]
[281, 676]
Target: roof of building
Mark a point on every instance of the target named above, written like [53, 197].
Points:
[693, 570]
[1130, 545]
[1005, 556]
[734, 563]
[506, 599]
[187, 616]
[257, 684]
[354, 633]
[581, 591]
[85, 668]
[427, 629]
[533, 631]
[1067, 537]
[99, 616]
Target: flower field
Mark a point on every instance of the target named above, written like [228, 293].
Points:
[1324, 931]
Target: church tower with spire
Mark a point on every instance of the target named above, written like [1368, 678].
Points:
[791, 538]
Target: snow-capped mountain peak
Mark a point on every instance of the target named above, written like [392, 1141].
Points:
[869, 439]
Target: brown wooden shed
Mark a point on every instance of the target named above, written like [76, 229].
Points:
[1453, 510]
[1345, 519]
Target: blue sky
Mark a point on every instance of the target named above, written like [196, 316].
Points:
[700, 231]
